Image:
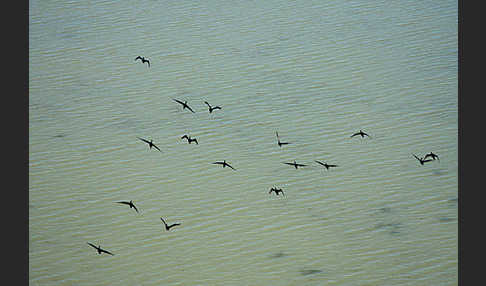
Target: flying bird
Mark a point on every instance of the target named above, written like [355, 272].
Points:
[433, 156]
[211, 108]
[360, 133]
[295, 165]
[277, 191]
[98, 248]
[224, 164]
[189, 139]
[144, 60]
[279, 142]
[422, 160]
[150, 143]
[168, 227]
[326, 165]
[184, 105]
[130, 203]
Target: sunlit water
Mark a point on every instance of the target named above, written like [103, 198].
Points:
[315, 71]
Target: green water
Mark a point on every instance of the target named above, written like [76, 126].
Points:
[315, 71]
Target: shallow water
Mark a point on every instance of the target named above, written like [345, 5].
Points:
[315, 71]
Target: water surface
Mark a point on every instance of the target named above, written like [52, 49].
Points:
[315, 71]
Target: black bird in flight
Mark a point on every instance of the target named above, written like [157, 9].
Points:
[277, 191]
[326, 165]
[422, 160]
[130, 203]
[360, 133]
[150, 143]
[211, 108]
[98, 248]
[144, 60]
[168, 227]
[224, 164]
[184, 105]
[189, 139]
[433, 156]
[278, 141]
[295, 165]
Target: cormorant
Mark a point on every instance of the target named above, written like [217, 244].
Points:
[168, 227]
[143, 60]
[150, 143]
[189, 139]
[361, 133]
[184, 105]
[98, 248]
[326, 165]
[224, 164]
[295, 165]
[130, 204]
[211, 108]
[279, 142]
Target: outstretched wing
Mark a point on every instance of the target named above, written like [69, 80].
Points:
[416, 157]
[230, 166]
[320, 163]
[207, 103]
[163, 221]
[354, 134]
[146, 141]
[156, 147]
[94, 246]
[137, 58]
[185, 137]
[432, 155]
[106, 251]
[188, 107]
[217, 107]
[178, 101]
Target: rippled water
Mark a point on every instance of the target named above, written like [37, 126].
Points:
[315, 71]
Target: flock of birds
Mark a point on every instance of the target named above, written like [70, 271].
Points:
[422, 160]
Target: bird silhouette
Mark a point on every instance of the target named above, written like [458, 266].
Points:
[279, 142]
[224, 164]
[144, 60]
[184, 105]
[211, 108]
[360, 133]
[168, 227]
[189, 139]
[130, 203]
[432, 155]
[295, 165]
[277, 191]
[150, 143]
[326, 165]
[422, 160]
[98, 248]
